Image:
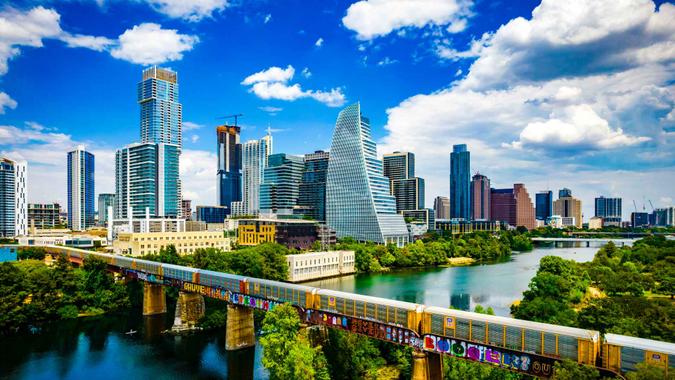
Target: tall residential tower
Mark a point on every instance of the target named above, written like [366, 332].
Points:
[460, 166]
[254, 161]
[81, 191]
[13, 198]
[480, 197]
[229, 165]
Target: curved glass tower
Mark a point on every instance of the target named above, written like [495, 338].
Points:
[358, 203]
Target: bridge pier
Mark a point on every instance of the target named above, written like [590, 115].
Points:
[239, 329]
[427, 366]
[154, 300]
[190, 309]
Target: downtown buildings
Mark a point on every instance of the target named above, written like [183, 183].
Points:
[544, 205]
[442, 207]
[609, 209]
[43, 215]
[408, 190]
[480, 197]
[312, 198]
[81, 189]
[229, 165]
[13, 198]
[513, 206]
[280, 188]
[358, 202]
[254, 161]
[568, 208]
[460, 166]
[105, 200]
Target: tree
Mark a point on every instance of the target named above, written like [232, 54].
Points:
[645, 371]
[569, 370]
[13, 293]
[31, 253]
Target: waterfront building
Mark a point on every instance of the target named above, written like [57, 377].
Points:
[568, 207]
[105, 200]
[424, 215]
[212, 214]
[146, 177]
[663, 217]
[595, 223]
[186, 209]
[43, 215]
[186, 243]
[480, 197]
[81, 189]
[67, 240]
[609, 209]
[513, 206]
[358, 202]
[544, 204]
[460, 166]
[315, 265]
[293, 233]
[312, 196]
[254, 161]
[280, 186]
[442, 207]
[639, 219]
[13, 198]
[458, 226]
[161, 112]
[229, 165]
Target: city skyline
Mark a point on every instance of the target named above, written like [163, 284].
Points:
[612, 154]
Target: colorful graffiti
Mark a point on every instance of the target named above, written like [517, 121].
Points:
[360, 326]
[229, 296]
[533, 365]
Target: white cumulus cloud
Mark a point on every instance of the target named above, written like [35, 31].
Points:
[190, 10]
[148, 43]
[375, 18]
[6, 102]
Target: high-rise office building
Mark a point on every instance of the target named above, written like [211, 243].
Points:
[408, 190]
[639, 219]
[663, 217]
[358, 203]
[81, 190]
[254, 154]
[313, 186]
[161, 112]
[186, 209]
[544, 204]
[43, 215]
[568, 207]
[212, 214]
[460, 166]
[280, 187]
[480, 197]
[513, 206]
[609, 209]
[442, 207]
[146, 176]
[229, 165]
[13, 198]
[105, 200]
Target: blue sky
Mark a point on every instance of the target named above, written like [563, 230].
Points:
[578, 94]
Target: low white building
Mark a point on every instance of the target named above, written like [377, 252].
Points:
[315, 265]
[76, 241]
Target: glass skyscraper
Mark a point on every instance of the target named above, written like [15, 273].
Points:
[161, 113]
[609, 209]
[105, 200]
[81, 191]
[313, 187]
[254, 155]
[147, 177]
[358, 202]
[13, 198]
[280, 188]
[544, 204]
[460, 166]
[408, 190]
[229, 165]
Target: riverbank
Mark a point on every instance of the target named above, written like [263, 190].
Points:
[460, 261]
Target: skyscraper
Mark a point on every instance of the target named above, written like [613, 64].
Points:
[161, 113]
[254, 161]
[81, 206]
[358, 203]
[609, 209]
[480, 197]
[146, 176]
[544, 202]
[513, 206]
[280, 188]
[408, 190]
[229, 165]
[568, 207]
[442, 207]
[105, 200]
[13, 198]
[313, 186]
[460, 166]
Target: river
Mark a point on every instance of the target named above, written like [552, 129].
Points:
[98, 348]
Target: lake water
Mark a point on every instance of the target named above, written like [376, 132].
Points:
[98, 348]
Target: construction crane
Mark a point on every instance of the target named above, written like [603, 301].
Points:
[650, 203]
[635, 205]
[235, 116]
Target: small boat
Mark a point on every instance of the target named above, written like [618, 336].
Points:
[131, 332]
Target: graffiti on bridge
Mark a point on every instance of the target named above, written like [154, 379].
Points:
[360, 326]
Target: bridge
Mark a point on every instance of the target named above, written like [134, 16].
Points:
[618, 241]
[433, 333]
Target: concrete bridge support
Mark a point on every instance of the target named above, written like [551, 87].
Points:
[190, 309]
[427, 366]
[239, 329]
[154, 300]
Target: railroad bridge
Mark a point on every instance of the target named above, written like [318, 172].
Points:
[433, 332]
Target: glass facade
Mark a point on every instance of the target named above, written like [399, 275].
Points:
[544, 204]
[313, 187]
[609, 209]
[212, 214]
[460, 166]
[229, 165]
[81, 190]
[13, 198]
[254, 161]
[358, 203]
[161, 113]
[105, 200]
[280, 187]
